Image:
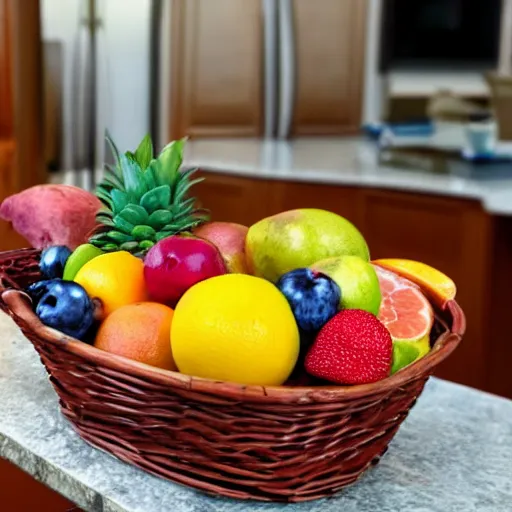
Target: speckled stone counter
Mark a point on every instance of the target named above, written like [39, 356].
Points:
[453, 453]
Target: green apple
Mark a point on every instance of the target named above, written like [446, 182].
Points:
[78, 258]
[357, 280]
[299, 238]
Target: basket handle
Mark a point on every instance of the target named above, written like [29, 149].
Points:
[5, 285]
[18, 305]
[17, 301]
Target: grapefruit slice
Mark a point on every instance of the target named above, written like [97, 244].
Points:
[408, 316]
[439, 286]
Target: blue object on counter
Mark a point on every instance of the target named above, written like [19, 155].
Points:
[499, 156]
[418, 128]
[487, 166]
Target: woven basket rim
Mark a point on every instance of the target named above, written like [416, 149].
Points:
[22, 313]
[18, 305]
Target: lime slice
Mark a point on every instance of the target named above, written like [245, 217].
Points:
[80, 256]
[406, 352]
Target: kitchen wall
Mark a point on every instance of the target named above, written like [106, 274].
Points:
[123, 50]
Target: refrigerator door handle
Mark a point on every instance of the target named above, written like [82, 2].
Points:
[270, 66]
[287, 68]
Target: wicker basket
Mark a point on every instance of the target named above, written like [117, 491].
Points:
[247, 442]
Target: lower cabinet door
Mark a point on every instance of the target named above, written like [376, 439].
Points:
[19, 492]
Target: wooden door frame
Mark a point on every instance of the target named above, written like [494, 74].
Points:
[27, 84]
[5, 72]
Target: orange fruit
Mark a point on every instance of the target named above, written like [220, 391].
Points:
[139, 332]
[116, 278]
[408, 316]
[440, 288]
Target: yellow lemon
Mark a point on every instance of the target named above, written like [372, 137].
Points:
[236, 328]
[116, 278]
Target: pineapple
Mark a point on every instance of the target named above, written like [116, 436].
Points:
[145, 199]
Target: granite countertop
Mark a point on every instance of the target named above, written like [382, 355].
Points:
[345, 161]
[453, 453]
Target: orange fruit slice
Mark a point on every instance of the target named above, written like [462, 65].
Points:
[439, 287]
[408, 316]
[140, 332]
[116, 278]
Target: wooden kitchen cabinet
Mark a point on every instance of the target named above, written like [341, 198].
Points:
[454, 235]
[19, 492]
[330, 47]
[498, 333]
[247, 200]
[291, 195]
[216, 68]
[21, 162]
[233, 199]
[219, 60]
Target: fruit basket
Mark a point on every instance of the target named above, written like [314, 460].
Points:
[272, 362]
[271, 443]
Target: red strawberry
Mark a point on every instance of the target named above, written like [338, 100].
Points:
[353, 347]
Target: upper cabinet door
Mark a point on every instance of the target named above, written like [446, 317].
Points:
[330, 39]
[217, 61]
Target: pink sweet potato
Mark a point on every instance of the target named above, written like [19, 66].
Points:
[52, 215]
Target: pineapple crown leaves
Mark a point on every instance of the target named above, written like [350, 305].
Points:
[145, 198]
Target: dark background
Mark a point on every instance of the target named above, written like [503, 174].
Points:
[442, 34]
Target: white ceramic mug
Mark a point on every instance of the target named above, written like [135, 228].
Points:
[481, 137]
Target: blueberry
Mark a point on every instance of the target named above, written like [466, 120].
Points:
[66, 306]
[313, 297]
[53, 260]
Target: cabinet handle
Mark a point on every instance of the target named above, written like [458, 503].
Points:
[505, 53]
[286, 67]
[270, 66]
